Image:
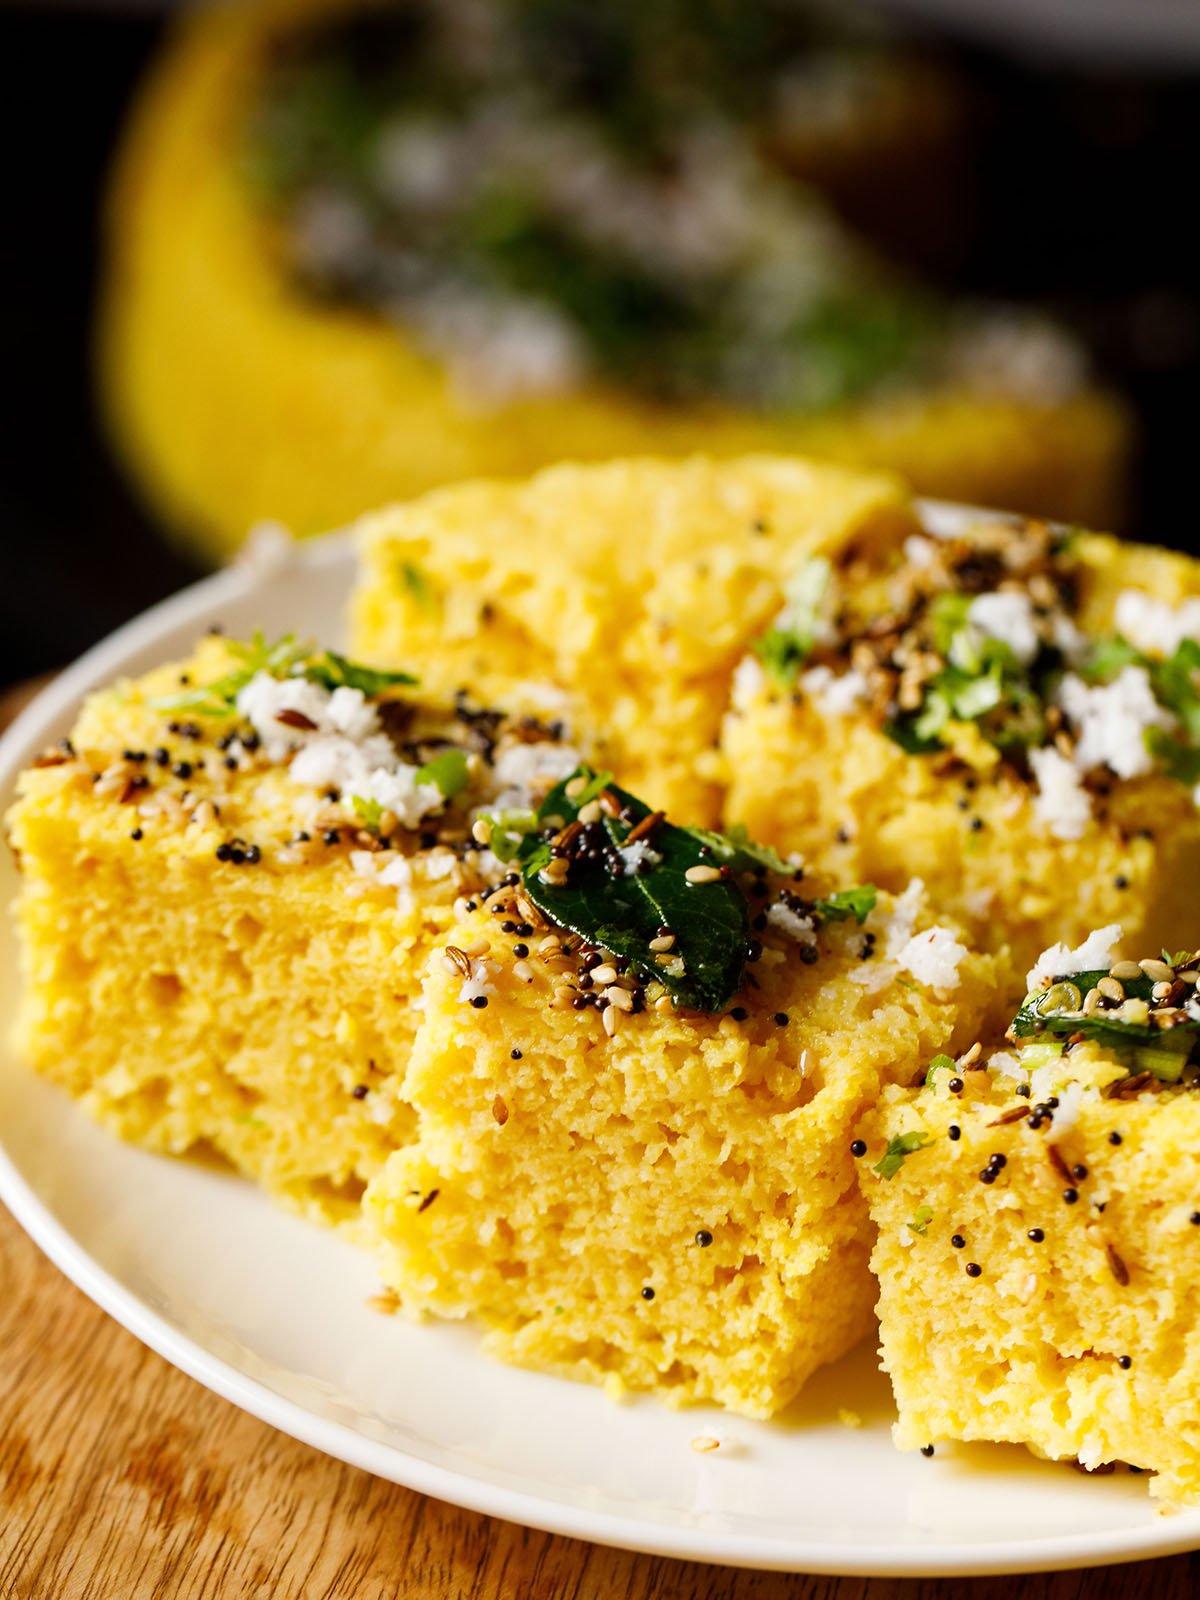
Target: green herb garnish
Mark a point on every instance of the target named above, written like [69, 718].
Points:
[982, 682]
[845, 903]
[368, 812]
[788, 642]
[920, 1219]
[940, 1063]
[1175, 680]
[624, 912]
[509, 831]
[418, 586]
[333, 671]
[448, 770]
[899, 1147]
[285, 658]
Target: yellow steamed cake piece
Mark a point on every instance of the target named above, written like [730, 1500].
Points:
[1036, 1256]
[631, 589]
[655, 1199]
[211, 961]
[1024, 843]
[236, 395]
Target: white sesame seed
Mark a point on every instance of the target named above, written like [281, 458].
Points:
[612, 1020]
[523, 971]
[575, 788]
[704, 1444]
[481, 830]
[590, 812]
[621, 998]
[477, 947]
[702, 874]
[604, 974]
[663, 942]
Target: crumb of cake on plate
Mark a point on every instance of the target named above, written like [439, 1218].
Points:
[639, 1066]
[1038, 1208]
[231, 876]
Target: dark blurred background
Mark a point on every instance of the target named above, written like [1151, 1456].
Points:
[1082, 199]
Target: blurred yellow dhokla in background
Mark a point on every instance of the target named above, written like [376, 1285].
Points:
[357, 250]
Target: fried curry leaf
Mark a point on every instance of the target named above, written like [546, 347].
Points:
[623, 910]
[1138, 1044]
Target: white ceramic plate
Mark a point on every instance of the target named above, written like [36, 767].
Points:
[271, 1314]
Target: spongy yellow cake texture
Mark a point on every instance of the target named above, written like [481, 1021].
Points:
[633, 588]
[837, 789]
[262, 1010]
[646, 1196]
[235, 396]
[1067, 1327]
[670, 1205]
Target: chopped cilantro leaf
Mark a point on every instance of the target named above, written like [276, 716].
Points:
[287, 657]
[787, 644]
[368, 812]
[417, 584]
[838, 907]
[509, 829]
[899, 1147]
[940, 1063]
[448, 770]
[333, 671]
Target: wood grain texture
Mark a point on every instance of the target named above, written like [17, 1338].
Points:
[121, 1479]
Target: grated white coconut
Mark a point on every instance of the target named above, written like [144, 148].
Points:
[835, 694]
[748, 682]
[1155, 627]
[1061, 804]
[918, 550]
[345, 749]
[523, 773]
[1096, 951]
[1111, 721]
[633, 855]
[792, 924]
[933, 957]
[479, 985]
[896, 921]
[1007, 617]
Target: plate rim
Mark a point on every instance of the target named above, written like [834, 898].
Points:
[198, 601]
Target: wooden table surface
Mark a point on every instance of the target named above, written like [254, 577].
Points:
[121, 1479]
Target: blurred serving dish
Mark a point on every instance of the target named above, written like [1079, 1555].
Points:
[359, 250]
